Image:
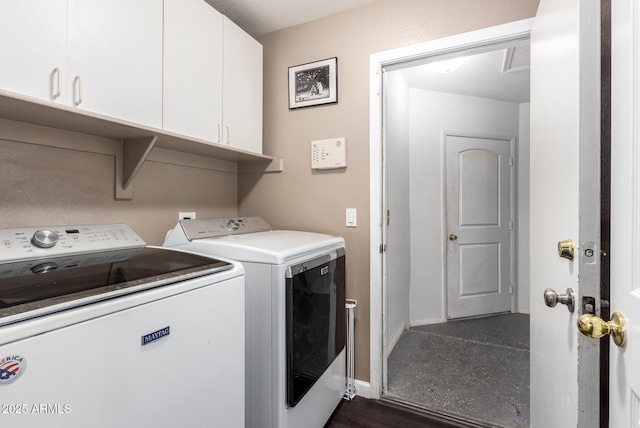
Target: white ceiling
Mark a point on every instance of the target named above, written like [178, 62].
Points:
[258, 17]
[481, 75]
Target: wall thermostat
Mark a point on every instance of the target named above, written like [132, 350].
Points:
[329, 154]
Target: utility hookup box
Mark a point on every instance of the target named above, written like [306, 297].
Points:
[329, 154]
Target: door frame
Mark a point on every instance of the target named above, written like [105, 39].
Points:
[513, 202]
[590, 395]
[492, 36]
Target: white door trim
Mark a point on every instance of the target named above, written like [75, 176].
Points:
[472, 40]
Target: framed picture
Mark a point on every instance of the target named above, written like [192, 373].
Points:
[313, 84]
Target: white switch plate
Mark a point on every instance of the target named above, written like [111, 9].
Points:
[186, 215]
[352, 217]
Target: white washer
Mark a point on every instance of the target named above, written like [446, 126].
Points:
[97, 329]
[295, 315]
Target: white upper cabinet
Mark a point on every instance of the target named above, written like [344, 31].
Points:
[175, 65]
[33, 42]
[115, 58]
[192, 69]
[103, 56]
[212, 77]
[242, 100]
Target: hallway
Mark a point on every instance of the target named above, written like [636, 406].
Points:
[476, 369]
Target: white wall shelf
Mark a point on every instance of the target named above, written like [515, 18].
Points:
[138, 140]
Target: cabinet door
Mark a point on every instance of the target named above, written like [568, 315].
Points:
[33, 42]
[242, 101]
[192, 82]
[115, 58]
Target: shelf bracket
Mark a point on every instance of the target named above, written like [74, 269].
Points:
[275, 165]
[134, 153]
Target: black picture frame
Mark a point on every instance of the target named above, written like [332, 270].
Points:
[314, 83]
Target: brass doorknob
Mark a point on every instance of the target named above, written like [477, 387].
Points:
[595, 327]
[452, 237]
[565, 249]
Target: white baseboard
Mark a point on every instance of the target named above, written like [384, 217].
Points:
[427, 321]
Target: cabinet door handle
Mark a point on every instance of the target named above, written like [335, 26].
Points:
[228, 134]
[55, 83]
[77, 84]
[219, 134]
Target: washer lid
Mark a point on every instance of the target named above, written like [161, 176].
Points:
[40, 286]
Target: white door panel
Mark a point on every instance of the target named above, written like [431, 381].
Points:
[479, 175]
[564, 117]
[625, 213]
[478, 225]
[554, 154]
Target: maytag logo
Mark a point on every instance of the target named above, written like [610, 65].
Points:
[156, 335]
[11, 368]
[324, 270]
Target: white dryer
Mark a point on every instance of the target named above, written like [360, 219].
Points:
[295, 315]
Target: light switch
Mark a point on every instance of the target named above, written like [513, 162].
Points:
[352, 217]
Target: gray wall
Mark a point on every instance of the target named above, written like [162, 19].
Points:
[397, 153]
[300, 198]
[42, 185]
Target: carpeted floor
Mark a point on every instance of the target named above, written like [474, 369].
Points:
[475, 369]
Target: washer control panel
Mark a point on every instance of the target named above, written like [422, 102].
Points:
[224, 226]
[52, 241]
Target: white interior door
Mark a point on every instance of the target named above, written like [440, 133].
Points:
[624, 407]
[479, 225]
[565, 113]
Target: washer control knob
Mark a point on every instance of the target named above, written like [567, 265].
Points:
[233, 225]
[44, 239]
[44, 267]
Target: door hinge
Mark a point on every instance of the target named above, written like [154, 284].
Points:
[388, 217]
[510, 161]
[510, 225]
[510, 288]
[383, 248]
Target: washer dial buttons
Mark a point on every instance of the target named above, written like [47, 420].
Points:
[233, 225]
[44, 239]
[44, 267]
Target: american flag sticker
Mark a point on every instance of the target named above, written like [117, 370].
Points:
[11, 368]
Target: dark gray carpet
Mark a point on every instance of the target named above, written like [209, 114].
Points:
[505, 329]
[475, 369]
